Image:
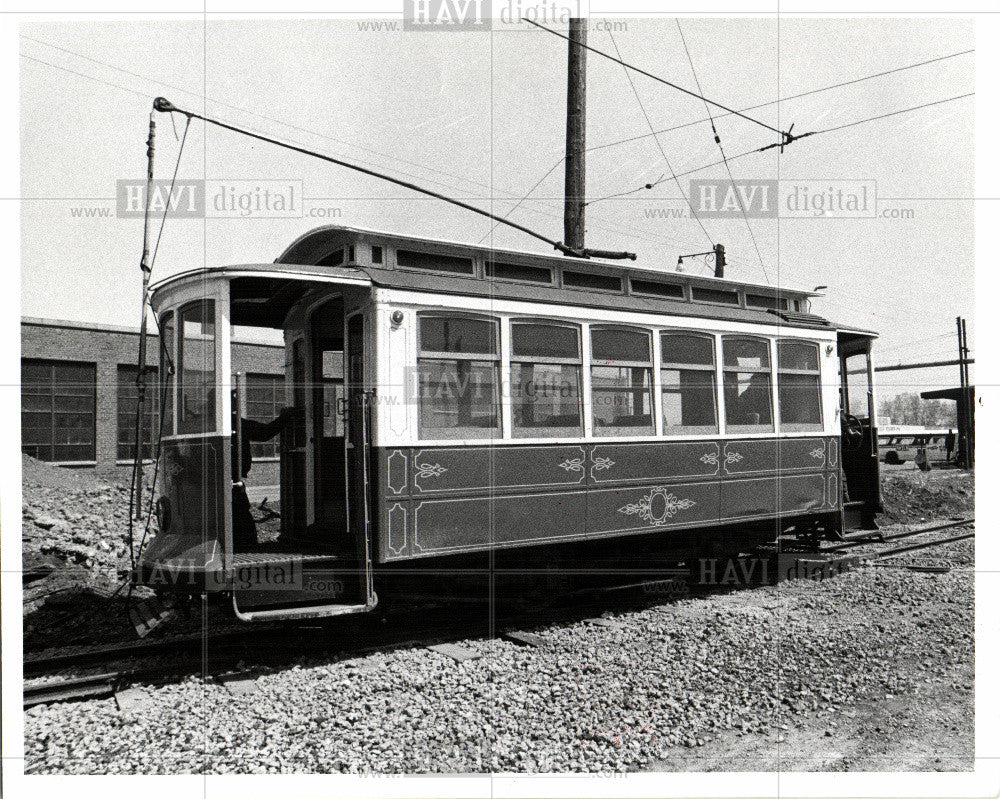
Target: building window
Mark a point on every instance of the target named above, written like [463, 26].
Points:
[128, 400]
[545, 379]
[265, 399]
[58, 401]
[458, 392]
[687, 384]
[746, 381]
[196, 360]
[621, 377]
[799, 402]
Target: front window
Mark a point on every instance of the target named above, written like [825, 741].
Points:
[746, 382]
[457, 370]
[166, 386]
[799, 402]
[857, 384]
[196, 358]
[621, 377]
[545, 379]
[687, 377]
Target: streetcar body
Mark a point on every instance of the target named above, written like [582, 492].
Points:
[453, 402]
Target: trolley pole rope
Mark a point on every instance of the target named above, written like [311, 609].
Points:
[140, 380]
[164, 105]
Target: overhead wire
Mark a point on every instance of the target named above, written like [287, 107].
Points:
[659, 145]
[722, 151]
[815, 133]
[605, 224]
[817, 90]
[683, 125]
[655, 77]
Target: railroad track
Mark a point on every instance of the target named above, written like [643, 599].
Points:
[879, 538]
[218, 654]
[95, 686]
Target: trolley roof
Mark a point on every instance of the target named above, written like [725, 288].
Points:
[367, 257]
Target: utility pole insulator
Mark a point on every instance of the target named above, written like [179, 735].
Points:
[576, 136]
[720, 260]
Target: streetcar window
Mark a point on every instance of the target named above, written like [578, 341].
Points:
[687, 379]
[746, 382]
[529, 274]
[413, 259]
[458, 392]
[591, 280]
[166, 370]
[621, 379]
[856, 384]
[657, 288]
[766, 301]
[545, 379]
[799, 401]
[196, 367]
[699, 294]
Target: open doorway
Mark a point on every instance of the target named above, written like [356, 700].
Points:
[328, 521]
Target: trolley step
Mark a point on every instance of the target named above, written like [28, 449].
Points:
[301, 611]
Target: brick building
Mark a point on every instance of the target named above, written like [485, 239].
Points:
[78, 395]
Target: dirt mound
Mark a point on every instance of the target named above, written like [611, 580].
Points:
[74, 521]
[37, 474]
[912, 497]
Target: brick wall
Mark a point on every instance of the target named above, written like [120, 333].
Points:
[107, 347]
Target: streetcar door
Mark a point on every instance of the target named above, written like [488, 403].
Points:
[357, 448]
[329, 495]
[859, 433]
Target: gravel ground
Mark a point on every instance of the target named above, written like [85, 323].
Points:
[871, 670]
[747, 671]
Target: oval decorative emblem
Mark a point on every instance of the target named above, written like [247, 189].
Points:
[657, 506]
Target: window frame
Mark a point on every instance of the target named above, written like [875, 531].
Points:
[578, 431]
[712, 369]
[495, 431]
[51, 384]
[749, 429]
[592, 363]
[278, 386]
[167, 321]
[800, 427]
[213, 427]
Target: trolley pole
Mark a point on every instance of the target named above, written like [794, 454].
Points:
[576, 136]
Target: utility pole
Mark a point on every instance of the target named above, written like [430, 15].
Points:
[965, 399]
[576, 136]
[720, 260]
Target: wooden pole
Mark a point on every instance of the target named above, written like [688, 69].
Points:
[576, 136]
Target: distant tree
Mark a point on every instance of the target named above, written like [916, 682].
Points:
[910, 409]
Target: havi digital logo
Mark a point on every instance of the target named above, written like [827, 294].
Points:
[447, 15]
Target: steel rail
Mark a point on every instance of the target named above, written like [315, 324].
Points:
[882, 539]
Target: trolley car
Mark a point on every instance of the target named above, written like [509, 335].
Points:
[496, 404]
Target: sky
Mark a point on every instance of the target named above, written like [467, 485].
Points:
[481, 116]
